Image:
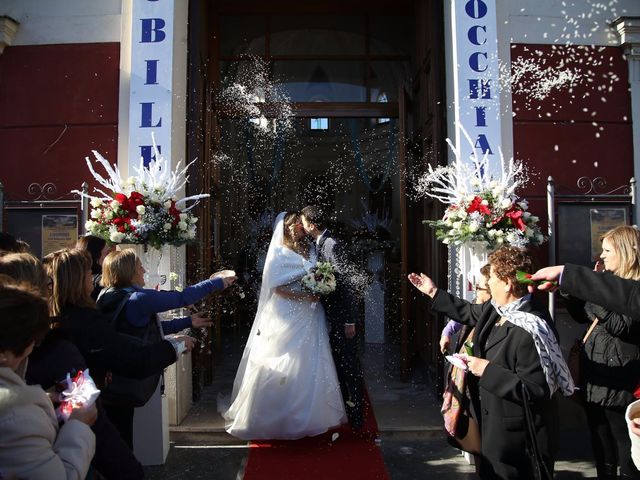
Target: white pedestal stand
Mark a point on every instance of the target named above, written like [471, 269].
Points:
[151, 422]
[151, 430]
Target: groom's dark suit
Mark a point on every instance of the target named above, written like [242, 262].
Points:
[341, 308]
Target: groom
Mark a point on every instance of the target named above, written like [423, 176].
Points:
[341, 310]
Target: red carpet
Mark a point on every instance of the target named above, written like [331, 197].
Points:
[350, 456]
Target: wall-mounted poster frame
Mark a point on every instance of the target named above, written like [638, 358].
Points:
[58, 232]
[603, 219]
[42, 227]
[46, 225]
[580, 226]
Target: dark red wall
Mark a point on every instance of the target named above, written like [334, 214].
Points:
[45, 89]
[557, 136]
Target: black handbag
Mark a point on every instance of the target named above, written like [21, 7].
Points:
[539, 468]
[132, 392]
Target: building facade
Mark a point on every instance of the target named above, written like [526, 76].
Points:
[368, 92]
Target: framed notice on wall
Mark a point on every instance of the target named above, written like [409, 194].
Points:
[603, 220]
[58, 231]
[580, 226]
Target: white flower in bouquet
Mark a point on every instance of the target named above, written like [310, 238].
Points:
[140, 209]
[96, 202]
[116, 237]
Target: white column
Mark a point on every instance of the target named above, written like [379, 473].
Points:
[628, 29]
[474, 98]
[153, 82]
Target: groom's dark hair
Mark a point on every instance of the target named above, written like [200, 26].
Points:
[315, 216]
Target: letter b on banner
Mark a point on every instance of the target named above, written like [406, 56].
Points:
[152, 30]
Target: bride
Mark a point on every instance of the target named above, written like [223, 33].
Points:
[286, 386]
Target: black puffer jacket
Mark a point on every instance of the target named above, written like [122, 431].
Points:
[610, 367]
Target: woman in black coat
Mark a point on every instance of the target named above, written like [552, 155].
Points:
[507, 358]
[610, 366]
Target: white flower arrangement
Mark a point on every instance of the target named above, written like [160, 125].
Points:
[143, 209]
[481, 208]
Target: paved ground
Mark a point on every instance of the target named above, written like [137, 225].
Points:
[408, 457]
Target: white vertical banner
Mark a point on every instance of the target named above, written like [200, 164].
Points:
[151, 83]
[476, 77]
[476, 96]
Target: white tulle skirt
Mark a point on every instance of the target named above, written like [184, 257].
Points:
[286, 386]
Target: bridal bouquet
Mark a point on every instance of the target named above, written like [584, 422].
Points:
[481, 208]
[320, 280]
[143, 209]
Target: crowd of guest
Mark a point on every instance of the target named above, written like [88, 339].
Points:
[510, 373]
[52, 328]
[86, 309]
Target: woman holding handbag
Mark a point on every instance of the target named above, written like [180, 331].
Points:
[133, 311]
[518, 363]
[461, 398]
[610, 360]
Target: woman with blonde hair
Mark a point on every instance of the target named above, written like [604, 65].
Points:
[103, 348]
[133, 310]
[610, 366]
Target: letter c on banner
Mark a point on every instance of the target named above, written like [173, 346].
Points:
[476, 8]
[474, 61]
[472, 34]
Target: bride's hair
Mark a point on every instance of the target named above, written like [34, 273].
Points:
[291, 219]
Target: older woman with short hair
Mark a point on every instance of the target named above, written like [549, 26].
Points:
[516, 353]
[31, 443]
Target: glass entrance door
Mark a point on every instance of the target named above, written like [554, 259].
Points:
[348, 167]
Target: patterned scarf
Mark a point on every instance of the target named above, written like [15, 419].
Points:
[553, 363]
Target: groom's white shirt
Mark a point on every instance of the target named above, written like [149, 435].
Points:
[320, 237]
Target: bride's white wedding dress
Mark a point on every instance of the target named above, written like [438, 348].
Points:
[286, 386]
